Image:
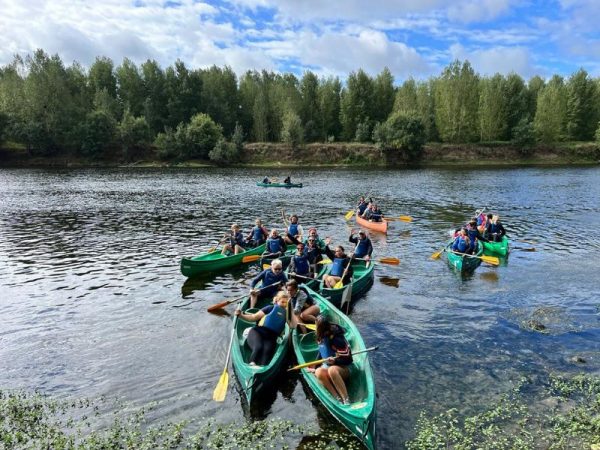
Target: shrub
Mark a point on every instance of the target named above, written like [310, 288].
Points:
[98, 133]
[292, 132]
[224, 152]
[403, 132]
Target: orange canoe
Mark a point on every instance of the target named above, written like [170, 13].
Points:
[375, 226]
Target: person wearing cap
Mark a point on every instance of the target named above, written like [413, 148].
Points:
[294, 230]
[304, 308]
[236, 242]
[262, 339]
[336, 371]
[272, 280]
[364, 247]
[341, 267]
[276, 246]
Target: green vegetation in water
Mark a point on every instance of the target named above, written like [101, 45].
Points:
[567, 417]
[32, 420]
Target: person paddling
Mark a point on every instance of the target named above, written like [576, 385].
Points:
[272, 280]
[340, 267]
[288, 180]
[462, 243]
[364, 247]
[236, 242]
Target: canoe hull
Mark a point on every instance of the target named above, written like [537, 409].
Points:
[212, 262]
[254, 379]
[280, 185]
[381, 227]
[361, 282]
[501, 248]
[360, 416]
[463, 263]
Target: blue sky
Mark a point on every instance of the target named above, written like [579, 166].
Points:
[414, 38]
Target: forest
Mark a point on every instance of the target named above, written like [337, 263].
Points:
[178, 113]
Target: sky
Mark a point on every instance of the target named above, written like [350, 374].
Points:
[413, 38]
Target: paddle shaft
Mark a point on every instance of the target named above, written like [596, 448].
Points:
[321, 361]
[343, 275]
[228, 302]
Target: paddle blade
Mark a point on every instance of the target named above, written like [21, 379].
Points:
[266, 266]
[405, 218]
[389, 260]
[437, 255]
[221, 390]
[493, 260]
[338, 285]
[310, 326]
[250, 258]
[349, 214]
[217, 306]
[325, 261]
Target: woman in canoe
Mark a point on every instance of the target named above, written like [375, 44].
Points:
[462, 243]
[294, 230]
[304, 308]
[276, 246]
[362, 206]
[373, 213]
[258, 235]
[334, 373]
[262, 339]
[364, 247]
[272, 277]
[494, 231]
[312, 233]
[288, 180]
[236, 242]
[340, 268]
[474, 232]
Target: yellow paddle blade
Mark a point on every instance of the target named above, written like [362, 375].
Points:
[437, 255]
[349, 214]
[310, 326]
[250, 258]
[325, 261]
[405, 218]
[389, 260]
[491, 260]
[338, 285]
[221, 390]
[308, 364]
[266, 266]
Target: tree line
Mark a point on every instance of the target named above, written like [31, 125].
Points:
[209, 113]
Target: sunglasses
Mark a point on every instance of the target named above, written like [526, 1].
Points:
[277, 269]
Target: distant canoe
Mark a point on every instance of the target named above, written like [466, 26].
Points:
[375, 226]
[210, 262]
[461, 262]
[281, 185]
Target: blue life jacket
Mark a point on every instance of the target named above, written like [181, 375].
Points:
[362, 248]
[293, 229]
[460, 245]
[273, 245]
[473, 235]
[325, 349]
[257, 234]
[270, 278]
[238, 239]
[275, 320]
[337, 268]
[302, 265]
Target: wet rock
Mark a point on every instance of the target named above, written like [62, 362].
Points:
[577, 359]
[535, 325]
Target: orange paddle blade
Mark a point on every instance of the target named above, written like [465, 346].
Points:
[389, 260]
[250, 258]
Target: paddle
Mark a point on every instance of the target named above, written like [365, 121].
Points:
[250, 258]
[402, 218]
[349, 214]
[493, 260]
[325, 261]
[437, 255]
[294, 274]
[214, 249]
[321, 361]
[285, 221]
[228, 302]
[385, 260]
[221, 389]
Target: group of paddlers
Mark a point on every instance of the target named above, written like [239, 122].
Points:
[369, 210]
[483, 227]
[266, 180]
[286, 292]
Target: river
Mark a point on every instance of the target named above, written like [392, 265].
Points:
[93, 303]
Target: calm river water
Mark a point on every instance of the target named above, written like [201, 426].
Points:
[92, 301]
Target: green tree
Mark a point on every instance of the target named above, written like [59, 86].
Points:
[523, 135]
[101, 76]
[183, 94]
[534, 86]
[130, 87]
[493, 110]
[156, 96]
[551, 112]
[582, 107]
[3, 126]
[201, 136]
[134, 134]
[426, 109]
[383, 95]
[237, 138]
[98, 134]
[167, 143]
[329, 106]
[597, 135]
[401, 132]
[406, 98]
[219, 96]
[456, 103]
[357, 104]
[310, 113]
[516, 101]
[292, 132]
[224, 152]
[260, 117]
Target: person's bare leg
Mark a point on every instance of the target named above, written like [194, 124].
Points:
[323, 377]
[338, 374]
[309, 315]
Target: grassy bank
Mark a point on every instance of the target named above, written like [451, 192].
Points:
[265, 155]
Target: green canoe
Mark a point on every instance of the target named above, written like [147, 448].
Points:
[361, 282]
[463, 263]
[359, 416]
[254, 378]
[497, 248]
[210, 262]
[282, 185]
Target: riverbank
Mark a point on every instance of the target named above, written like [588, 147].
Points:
[499, 154]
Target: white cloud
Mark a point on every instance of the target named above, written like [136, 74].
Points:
[467, 11]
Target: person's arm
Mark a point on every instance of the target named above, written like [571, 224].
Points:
[352, 239]
[329, 253]
[300, 232]
[501, 229]
[255, 317]
[300, 301]
[369, 248]
[259, 277]
[292, 266]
